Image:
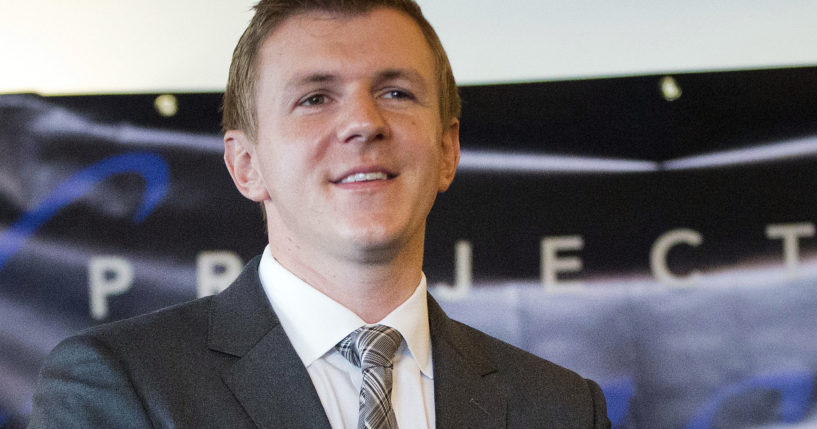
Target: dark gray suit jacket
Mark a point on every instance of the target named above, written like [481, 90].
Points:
[224, 361]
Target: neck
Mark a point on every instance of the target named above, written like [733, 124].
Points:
[372, 286]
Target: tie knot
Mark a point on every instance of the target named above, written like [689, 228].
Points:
[370, 346]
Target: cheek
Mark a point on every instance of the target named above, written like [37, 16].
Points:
[290, 147]
[307, 141]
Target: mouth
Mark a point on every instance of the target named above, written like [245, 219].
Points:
[363, 177]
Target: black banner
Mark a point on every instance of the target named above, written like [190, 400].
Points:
[654, 233]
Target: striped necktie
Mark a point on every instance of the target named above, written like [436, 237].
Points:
[372, 349]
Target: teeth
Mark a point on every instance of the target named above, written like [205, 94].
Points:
[364, 177]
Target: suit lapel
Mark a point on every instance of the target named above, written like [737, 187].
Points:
[273, 386]
[463, 396]
[268, 379]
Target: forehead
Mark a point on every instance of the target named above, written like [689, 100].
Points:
[345, 45]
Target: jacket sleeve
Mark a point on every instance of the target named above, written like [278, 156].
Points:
[83, 385]
[601, 420]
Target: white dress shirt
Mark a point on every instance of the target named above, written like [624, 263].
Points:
[314, 323]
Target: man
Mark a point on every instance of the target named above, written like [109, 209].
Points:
[341, 121]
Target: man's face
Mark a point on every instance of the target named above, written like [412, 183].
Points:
[351, 152]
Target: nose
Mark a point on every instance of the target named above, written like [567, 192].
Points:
[362, 120]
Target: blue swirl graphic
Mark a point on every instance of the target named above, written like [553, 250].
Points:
[795, 389]
[147, 164]
[618, 395]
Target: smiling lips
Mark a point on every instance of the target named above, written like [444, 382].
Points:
[365, 177]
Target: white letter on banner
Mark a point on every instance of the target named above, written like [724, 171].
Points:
[552, 264]
[107, 276]
[790, 234]
[463, 251]
[658, 256]
[215, 270]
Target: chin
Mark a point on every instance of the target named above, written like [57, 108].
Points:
[374, 239]
[370, 239]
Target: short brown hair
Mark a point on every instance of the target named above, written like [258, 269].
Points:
[239, 110]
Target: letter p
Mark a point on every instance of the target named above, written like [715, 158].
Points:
[107, 276]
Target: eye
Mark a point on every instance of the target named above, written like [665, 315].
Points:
[398, 94]
[313, 100]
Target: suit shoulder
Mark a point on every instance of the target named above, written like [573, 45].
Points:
[489, 354]
[167, 346]
[163, 327]
[522, 374]
[505, 355]
[531, 382]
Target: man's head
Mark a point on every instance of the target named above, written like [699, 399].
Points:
[239, 106]
[349, 150]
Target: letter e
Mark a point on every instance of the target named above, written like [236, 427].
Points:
[552, 264]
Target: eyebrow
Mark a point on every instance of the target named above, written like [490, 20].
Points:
[311, 78]
[410, 74]
[381, 76]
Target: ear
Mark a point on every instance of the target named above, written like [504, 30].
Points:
[239, 153]
[450, 155]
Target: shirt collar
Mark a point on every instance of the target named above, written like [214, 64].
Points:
[314, 322]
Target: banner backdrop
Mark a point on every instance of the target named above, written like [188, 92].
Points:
[653, 233]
